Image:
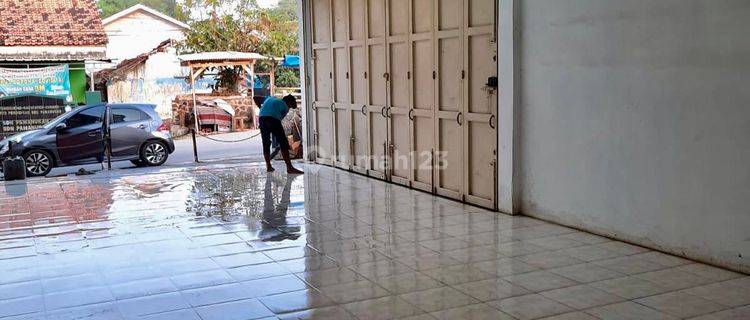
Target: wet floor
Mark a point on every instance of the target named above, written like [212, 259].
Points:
[232, 242]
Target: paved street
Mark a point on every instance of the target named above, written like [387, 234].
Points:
[228, 241]
[208, 150]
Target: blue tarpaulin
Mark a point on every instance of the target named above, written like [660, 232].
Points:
[290, 61]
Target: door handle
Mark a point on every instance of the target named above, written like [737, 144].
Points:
[411, 114]
[143, 126]
[459, 118]
[382, 112]
[333, 107]
[364, 107]
[492, 120]
[94, 133]
[314, 108]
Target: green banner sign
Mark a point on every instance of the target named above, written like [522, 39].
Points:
[49, 81]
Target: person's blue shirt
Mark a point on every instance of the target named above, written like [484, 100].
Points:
[274, 107]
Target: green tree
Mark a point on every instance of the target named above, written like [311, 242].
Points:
[241, 25]
[110, 7]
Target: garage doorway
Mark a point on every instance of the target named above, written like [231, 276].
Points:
[401, 91]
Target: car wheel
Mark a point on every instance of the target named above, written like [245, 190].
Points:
[38, 163]
[154, 153]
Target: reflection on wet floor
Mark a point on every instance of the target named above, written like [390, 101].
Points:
[233, 242]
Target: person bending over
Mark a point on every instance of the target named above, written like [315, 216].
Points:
[272, 112]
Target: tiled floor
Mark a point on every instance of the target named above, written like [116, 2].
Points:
[231, 242]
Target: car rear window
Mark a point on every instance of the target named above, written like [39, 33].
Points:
[120, 115]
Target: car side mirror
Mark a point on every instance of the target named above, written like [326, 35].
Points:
[61, 126]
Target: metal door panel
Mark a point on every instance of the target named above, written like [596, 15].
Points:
[399, 99]
[321, 21]
[342, 107]
[399, 75]
[422, 11]
[423, 95]
[378, 143]
[357, 19]
[375, 18]
[449, 74]
[321, 105]
[340, 20]
[378, 122]
[358, 67]
[481, 66]
[398, 17]
[377, 83]
[480, 104]
[423, 145]
[424, 85]
[481, 13]
[480, 163]
[449, 159]
[449, 14]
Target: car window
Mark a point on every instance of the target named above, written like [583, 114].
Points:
[86, 117]
[120, 115]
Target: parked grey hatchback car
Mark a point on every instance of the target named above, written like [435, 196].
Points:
[77, 137]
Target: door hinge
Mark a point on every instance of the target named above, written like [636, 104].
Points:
[347, 75]
[330, 75]
[386, 76]
[313, 57]
[365, 74]
[434, 74]
[463, 74]
[408, 74]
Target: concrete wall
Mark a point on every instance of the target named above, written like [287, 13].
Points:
[136, 33]
[635, 121]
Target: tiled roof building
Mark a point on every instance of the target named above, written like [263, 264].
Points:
[51, 30]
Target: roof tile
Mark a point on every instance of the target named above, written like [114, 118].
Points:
[50, 23]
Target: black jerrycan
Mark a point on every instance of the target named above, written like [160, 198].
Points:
[14, 168]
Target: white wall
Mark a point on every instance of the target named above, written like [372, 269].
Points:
[635, 121]
[138, 33]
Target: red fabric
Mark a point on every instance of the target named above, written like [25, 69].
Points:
[210, 116]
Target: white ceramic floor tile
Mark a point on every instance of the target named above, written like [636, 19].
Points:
[531, 306]
[628, 311]
[680, 304]
[724, 293]
[539, 281]
[581, 297]
[629, 287]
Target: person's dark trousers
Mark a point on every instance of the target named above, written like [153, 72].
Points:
[275, 147]
[271, 128]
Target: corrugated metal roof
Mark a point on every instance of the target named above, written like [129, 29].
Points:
[220, 56]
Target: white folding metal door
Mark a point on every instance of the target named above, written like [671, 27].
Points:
[422, 93]
[449, 161]
[399, 76]
[322, 89]
[480, 109]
